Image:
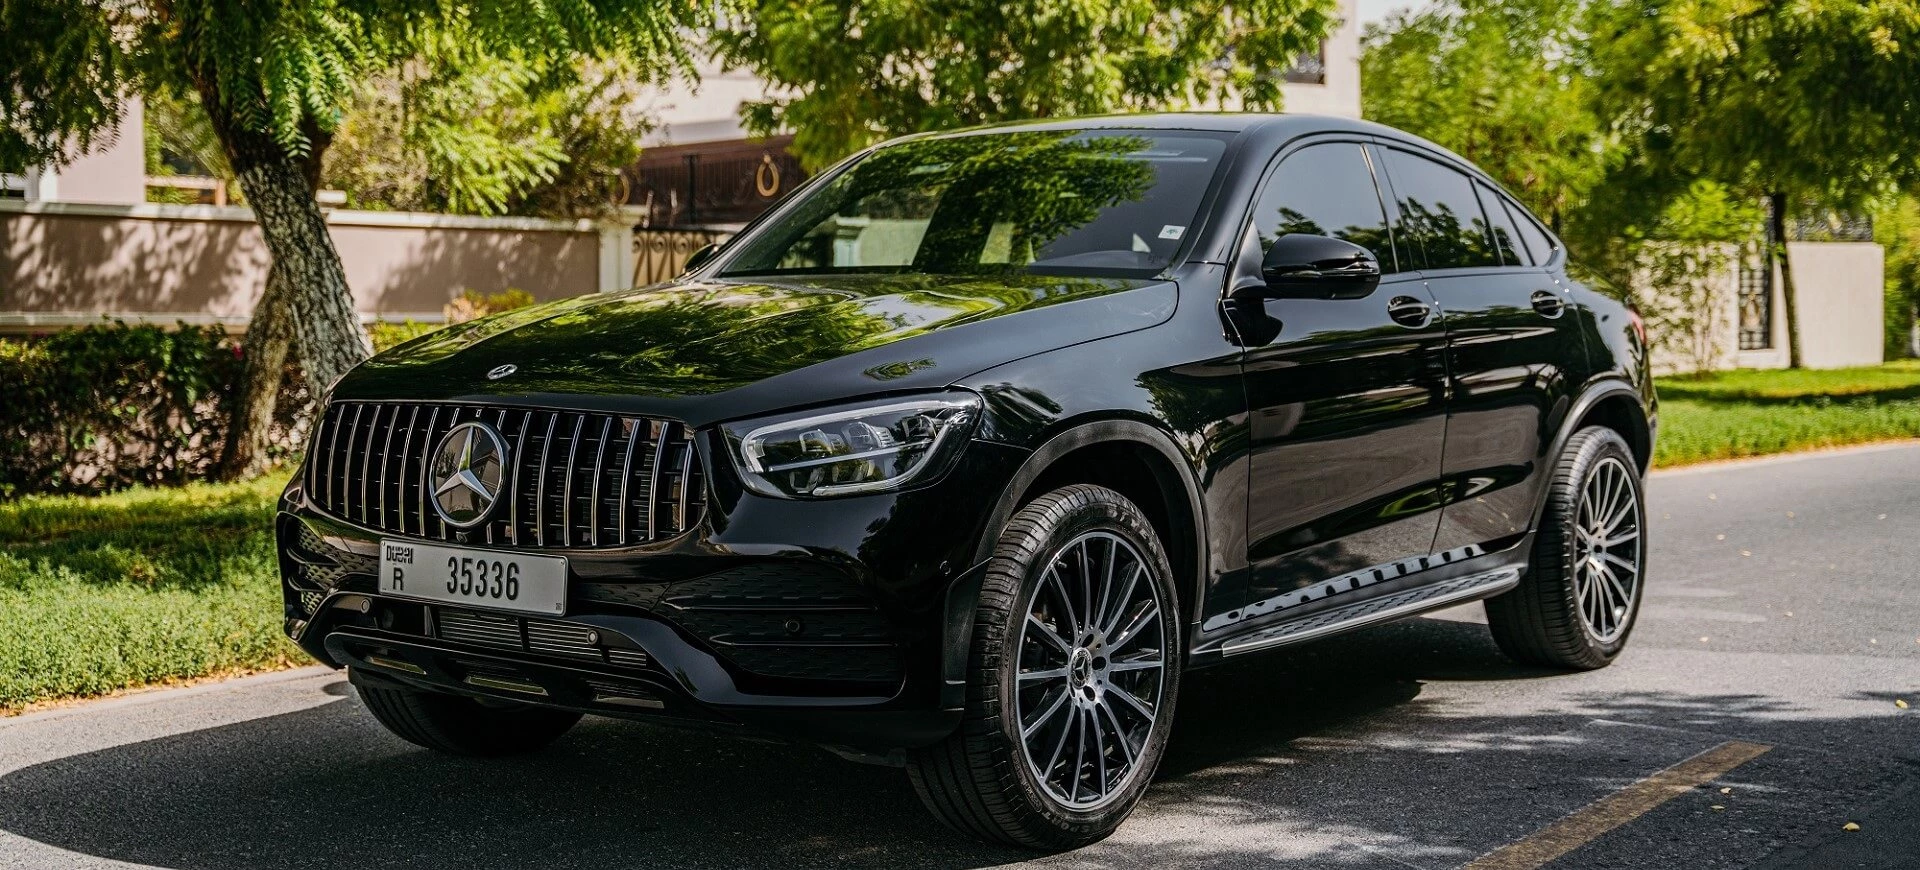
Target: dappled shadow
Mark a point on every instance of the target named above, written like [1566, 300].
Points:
[1711, 395]
[434, 265]
[1332, 754]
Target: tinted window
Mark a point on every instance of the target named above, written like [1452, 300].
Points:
[1538, 243]
[1325, 190]
[1102, 202]
[1504, 234]
[1439, 214]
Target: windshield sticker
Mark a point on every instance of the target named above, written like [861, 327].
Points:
[1172, 232]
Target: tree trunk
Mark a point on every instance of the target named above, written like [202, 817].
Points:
[306, 305]
[280, 187]
[257, 396]
[1777, 228]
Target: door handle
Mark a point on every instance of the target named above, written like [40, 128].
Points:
[1549, 304]
[1409, 312]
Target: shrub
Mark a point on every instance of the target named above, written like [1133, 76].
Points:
[105, 407]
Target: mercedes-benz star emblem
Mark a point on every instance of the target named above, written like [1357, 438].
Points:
[498, 372]
[466, 473]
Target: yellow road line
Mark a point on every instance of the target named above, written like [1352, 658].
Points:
[1619, 808]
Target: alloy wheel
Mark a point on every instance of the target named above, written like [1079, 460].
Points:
[1092, 658]
[1607, 550]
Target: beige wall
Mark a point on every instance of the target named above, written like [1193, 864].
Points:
[1841, 288]
[62, 263]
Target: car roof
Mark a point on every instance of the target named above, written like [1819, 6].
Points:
[1273, 127]
[1226, 122]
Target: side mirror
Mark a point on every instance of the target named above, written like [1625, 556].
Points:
[1317, 267]
[700, 258]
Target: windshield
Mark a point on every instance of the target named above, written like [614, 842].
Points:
[1074, 202]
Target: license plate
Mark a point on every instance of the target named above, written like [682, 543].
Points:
[482, 578]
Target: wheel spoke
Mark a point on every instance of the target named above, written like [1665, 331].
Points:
[1111, 621]
[1086, 591]
[1060, 588]
[1119, 734]
[1622, 538]
[1048, 634]
[1624, 564]
[1140, 623]
[1079, 751]
[1097, 616]
[1134, 665]
[1066, 729]
[1099, 754]
[1138, 706]
[1050, 674]
[1620, 594]
[1620, 516]
[1059, 701]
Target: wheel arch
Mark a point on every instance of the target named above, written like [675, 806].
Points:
[1617, 406]
[1614, 404]
[1136, 460]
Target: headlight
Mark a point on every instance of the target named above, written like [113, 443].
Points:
[848, 451]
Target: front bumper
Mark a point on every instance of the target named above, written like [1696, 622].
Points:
[841, 622]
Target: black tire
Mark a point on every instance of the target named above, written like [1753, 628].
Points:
[980, 780]
[1541, 622]
[463, 726]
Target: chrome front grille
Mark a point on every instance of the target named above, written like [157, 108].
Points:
[574, 479]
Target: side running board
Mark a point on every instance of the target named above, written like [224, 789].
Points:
[1377, 610]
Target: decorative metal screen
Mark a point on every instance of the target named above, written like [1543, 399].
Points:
[1756, 306]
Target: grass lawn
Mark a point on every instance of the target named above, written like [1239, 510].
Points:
[1752, 413]
[140, 587]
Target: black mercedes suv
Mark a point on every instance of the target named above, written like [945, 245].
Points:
[962, 454]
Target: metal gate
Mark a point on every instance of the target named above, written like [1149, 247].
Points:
[660, 255]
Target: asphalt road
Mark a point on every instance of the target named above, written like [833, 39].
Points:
[1783, 613]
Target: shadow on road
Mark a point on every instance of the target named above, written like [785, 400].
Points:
[326, 787]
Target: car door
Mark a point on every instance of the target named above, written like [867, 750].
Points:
[1346, 395]
[1513, 351]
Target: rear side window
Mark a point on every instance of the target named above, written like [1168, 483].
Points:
[1505, 236]
[1326, 190]
[1440, 216]
[1536, 239]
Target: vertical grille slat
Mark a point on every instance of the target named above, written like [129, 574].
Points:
[661, 431]
[513, 476]
[540, 485]
[372, 465]
[626, 472]
[566, 482]
[426, 491]
[346, 462]
[686, 486]
[593, 497]
[400, 475]
[366, 461]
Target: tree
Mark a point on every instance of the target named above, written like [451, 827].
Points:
[1814, 101]
[1505, 84]
[455, 131]
[274, 78]
[856, 73]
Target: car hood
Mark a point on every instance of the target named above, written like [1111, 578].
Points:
[706, 351]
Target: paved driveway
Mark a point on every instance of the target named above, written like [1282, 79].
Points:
[1783, 623]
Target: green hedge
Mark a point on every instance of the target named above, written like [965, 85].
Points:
[105, 407]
